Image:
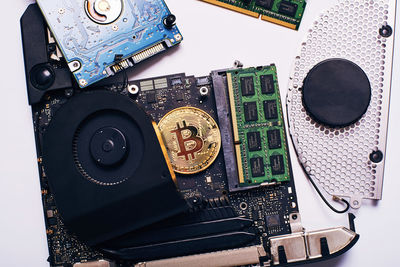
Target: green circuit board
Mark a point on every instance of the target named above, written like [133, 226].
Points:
[287, 13]
[258, 126]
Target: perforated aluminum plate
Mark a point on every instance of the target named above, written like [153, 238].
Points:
[338, 159]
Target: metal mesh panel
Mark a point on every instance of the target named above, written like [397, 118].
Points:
[338, 158]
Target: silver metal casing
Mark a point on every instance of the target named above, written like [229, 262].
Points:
[338, 159]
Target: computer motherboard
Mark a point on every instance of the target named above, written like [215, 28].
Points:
[266, 210]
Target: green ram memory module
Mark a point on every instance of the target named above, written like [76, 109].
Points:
[258, 126]
[287, 13]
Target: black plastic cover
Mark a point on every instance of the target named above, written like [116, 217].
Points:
[37, 64]
[336, 92]
[98, 212]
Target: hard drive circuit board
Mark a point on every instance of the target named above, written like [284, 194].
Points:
[101, 38]
[268, 208]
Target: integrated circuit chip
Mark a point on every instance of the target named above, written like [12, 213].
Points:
[287, 8]
[257, 167]
[179, 96]
[267, 84]
[247, 85]
[272, 220]
[52, 221]
[274, 139]
[270, 110]
[254, 141]
[287, 13]
[250, 111]
[277, 164]
[151, 97]
[267, 4]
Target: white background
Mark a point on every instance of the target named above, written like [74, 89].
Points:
[213, 39]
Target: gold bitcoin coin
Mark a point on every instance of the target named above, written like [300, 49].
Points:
[192, 139]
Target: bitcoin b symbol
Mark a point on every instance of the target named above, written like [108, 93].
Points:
[188, 144]
[192, 139]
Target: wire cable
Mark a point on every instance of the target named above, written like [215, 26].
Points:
[336, 198]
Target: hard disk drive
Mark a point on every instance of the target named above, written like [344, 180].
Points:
[100, 38]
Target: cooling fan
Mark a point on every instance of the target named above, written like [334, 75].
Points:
[103, 143]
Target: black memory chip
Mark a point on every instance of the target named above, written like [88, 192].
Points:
[180, 96]
[52, 221]
[254, 141]
[270, 110]
[257, 167]
[267, 84]
[272, 220]
[247, 85]
[151, 97]
[274, 139]
[267, 4]
[277, 164]
[250, 111]
[287, 8]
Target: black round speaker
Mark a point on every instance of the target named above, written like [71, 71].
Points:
[42, 76]
[336, 92]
